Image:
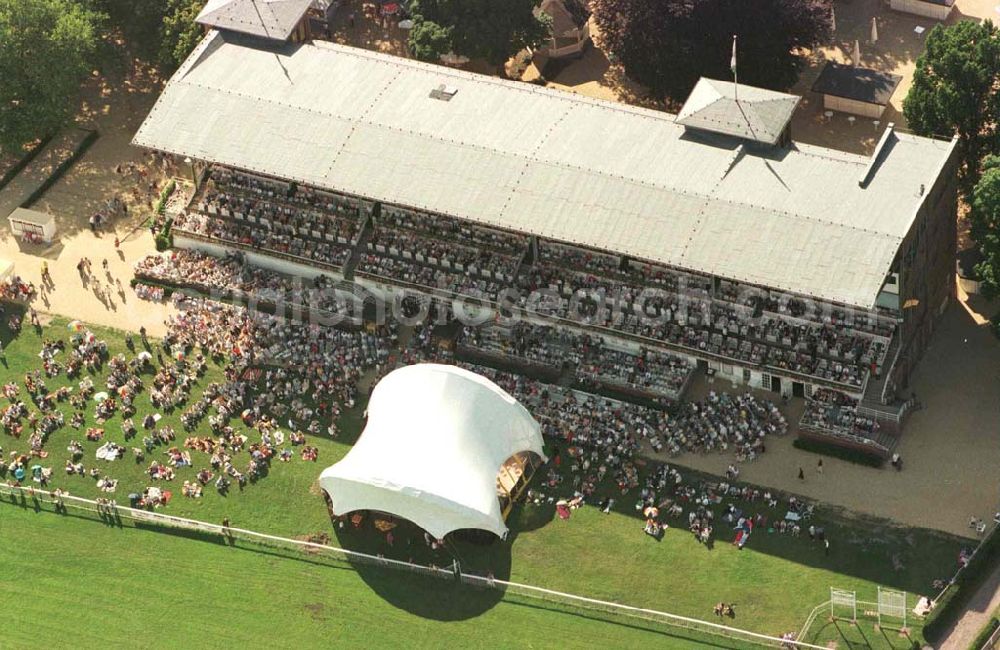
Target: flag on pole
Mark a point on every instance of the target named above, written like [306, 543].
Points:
[874, 30]
[856, 57]
[833, 19]
[732, 66]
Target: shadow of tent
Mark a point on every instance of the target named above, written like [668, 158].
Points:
[437, 598]
[525, 518]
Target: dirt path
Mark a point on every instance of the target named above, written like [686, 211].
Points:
[977, 614]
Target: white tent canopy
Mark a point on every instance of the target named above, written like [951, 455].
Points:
[435, 440]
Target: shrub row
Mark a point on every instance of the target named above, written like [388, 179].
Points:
[23, 162]
[950, 606]
[164, 239]
[985, 633]
[836, 451]
[61, 169]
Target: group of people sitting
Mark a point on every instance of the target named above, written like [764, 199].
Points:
[833, 411]
[17, 289]
[231, 278]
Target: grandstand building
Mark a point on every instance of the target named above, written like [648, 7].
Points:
[710, 237]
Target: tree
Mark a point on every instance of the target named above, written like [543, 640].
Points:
[666, 45]
[984, 215]
[428, 40]
[179, 34]
[955, 90]
[492, 30]
[47, 47]
[138, 21]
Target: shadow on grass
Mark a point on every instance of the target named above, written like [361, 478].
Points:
[487, 553]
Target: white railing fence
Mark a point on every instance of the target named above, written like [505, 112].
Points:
[107, 509]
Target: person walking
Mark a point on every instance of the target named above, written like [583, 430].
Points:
[802, 475]
[819, 466]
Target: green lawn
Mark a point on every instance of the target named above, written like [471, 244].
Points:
[93, 586]
[775, 581]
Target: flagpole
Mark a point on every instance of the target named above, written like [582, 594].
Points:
[732, 64]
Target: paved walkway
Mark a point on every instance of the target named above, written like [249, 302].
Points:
[978, 612]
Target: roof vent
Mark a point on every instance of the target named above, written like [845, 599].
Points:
[444, 93]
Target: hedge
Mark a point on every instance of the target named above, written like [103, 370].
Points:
[23, 162]
[836, 451]
[950, 606]
[168, 290]
[61, 169]
[985, 633]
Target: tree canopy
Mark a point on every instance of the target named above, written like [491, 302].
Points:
[984, 215]
[492, 30]
[956, 89]
[47, 47]
[666, 45]
[179, 34]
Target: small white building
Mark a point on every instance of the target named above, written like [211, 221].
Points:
[570, 28]
[936, 9]
[32, 225]
[855, 90]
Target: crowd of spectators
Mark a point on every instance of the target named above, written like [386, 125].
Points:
[234, 278]
[595, 361]
[748, 324]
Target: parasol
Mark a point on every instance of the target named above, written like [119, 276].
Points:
[75, 326]
[384, 525]
[100, 397]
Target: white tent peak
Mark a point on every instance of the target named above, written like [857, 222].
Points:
[436, 438]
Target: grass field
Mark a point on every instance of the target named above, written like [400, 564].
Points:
[103, 585]
[775, 581]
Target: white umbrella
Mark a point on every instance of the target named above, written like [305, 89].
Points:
[874, 30]
[100, 397]
[406, 24]
[451, 58]
[856, 57]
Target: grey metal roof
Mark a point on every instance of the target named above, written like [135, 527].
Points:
[274, 19]
[747, 112]
[859, 84]
[549, 163]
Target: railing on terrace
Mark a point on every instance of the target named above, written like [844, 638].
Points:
[869, 412]
[843, 435]
[219, 241]
[19, 495]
